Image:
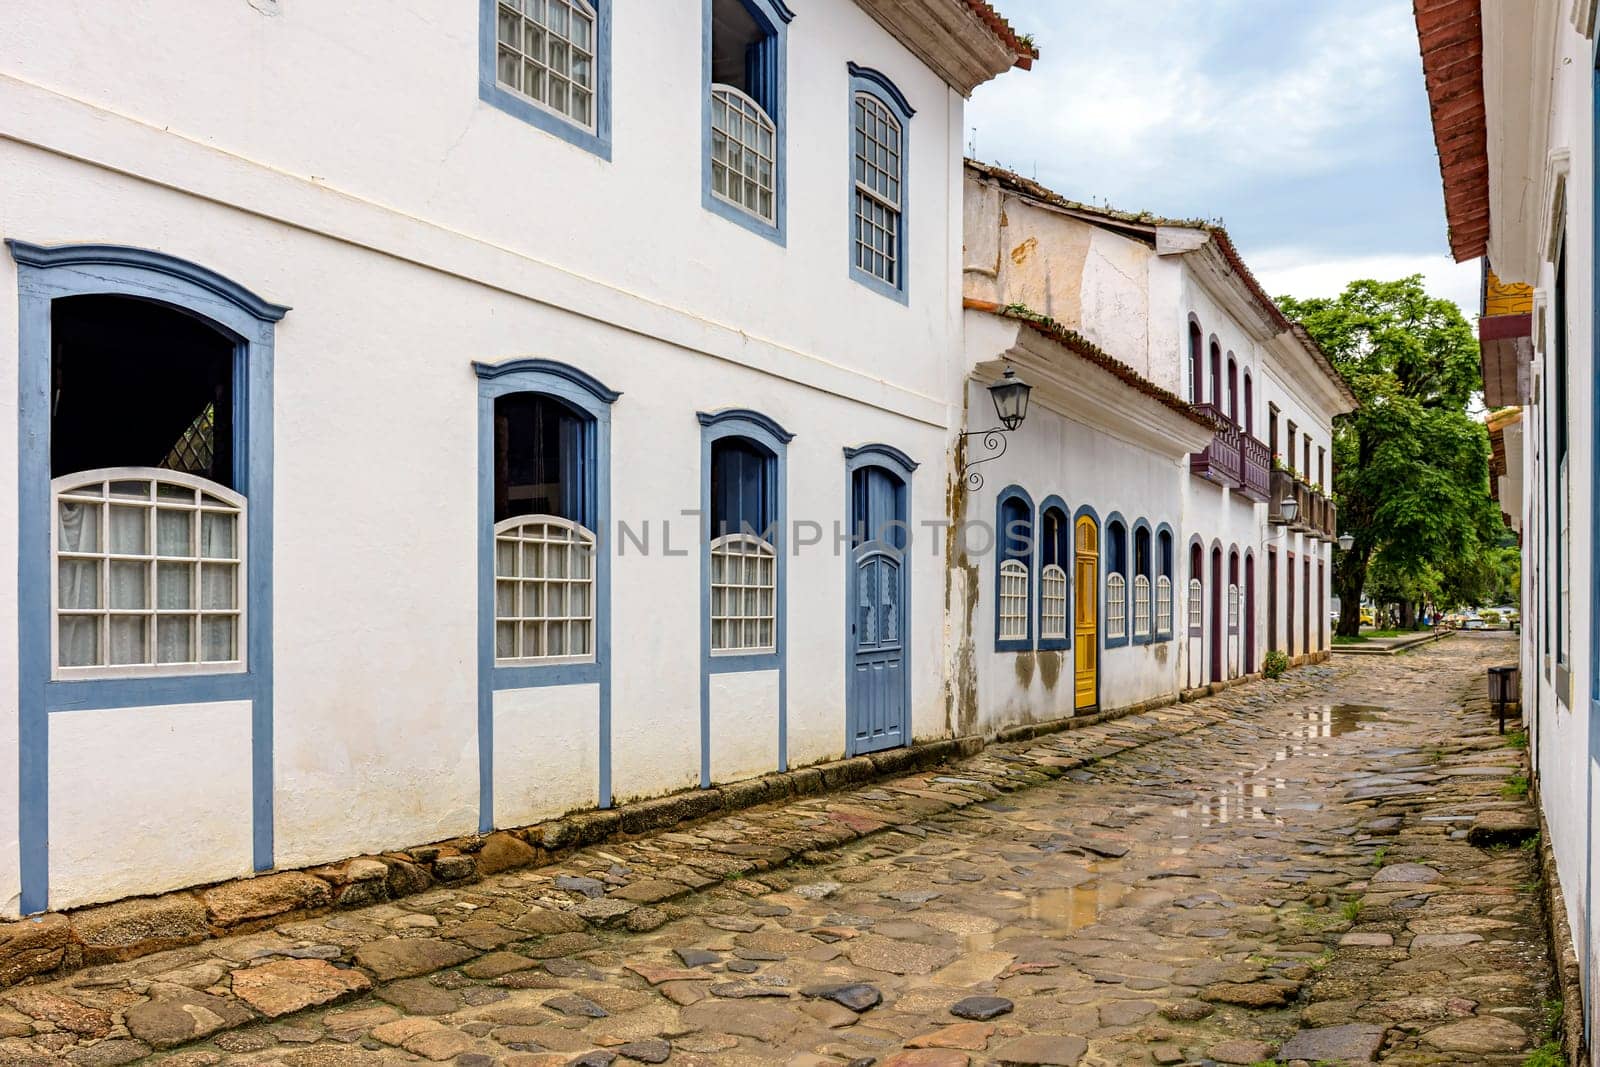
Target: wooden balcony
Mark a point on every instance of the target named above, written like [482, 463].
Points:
[1255, 468]
[1280, 486]
[1330, 520]
[1220, 461]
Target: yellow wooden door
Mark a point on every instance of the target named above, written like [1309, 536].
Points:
[1086, 617]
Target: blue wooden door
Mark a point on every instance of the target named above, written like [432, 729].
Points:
[877, 594]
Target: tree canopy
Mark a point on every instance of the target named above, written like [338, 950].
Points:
[1411, 465]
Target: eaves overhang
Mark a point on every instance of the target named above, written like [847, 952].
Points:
[965, 42]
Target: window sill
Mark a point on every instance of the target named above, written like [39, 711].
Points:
[535, 676]
[150, 690]
[738, 662]
[596, 142]
[896, 293]
[1054, 644]
[772, 231]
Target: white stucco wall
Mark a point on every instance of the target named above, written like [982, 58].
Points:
[146, 799]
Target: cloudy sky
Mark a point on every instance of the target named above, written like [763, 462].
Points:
[1301, 124]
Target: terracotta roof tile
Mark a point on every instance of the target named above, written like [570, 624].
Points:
[1026, 52]
[1090, 352]
[1450, 35]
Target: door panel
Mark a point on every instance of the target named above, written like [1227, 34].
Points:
[877, 686]
[1086, 616]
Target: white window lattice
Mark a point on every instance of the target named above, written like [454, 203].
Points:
[1197, 607]
[545, 52]
[744, 593]
[1013, 600]
[543, 590]
[1116, 606]
[1233, 608]
[1141, 606]
[743, 153]
[877, 175]
[149, 573]
[1164, 605]
[1053, 603]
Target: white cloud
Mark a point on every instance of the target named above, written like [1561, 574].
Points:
[1137, 98]
[1307, 273]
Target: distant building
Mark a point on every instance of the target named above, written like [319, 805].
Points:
[1175, 409]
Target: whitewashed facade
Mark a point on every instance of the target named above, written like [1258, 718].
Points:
[1161, 371]
[374, 254]
[1514, 93]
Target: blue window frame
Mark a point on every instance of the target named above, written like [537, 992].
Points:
[743, 113]
[1559, 474]
[1118, 588]
[1014, 543]
[1142, 589]
[744, 513]
[880, 126]
[1165, 596]
[548, 63]
[245, 323]
[1055, 575]
[544, 453]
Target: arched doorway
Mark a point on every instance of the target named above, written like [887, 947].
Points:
[878, 686]
[1086, 617]
[1234, 629]
[1249, 613]
[1219, 634]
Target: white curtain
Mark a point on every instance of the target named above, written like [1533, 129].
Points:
[79, 579]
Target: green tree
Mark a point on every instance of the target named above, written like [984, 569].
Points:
[1411, 467]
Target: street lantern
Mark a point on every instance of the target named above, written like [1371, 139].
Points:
[1289, 507]
[1010, 395]
[1346, 542]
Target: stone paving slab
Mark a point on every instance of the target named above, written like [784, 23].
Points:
[1204, 881]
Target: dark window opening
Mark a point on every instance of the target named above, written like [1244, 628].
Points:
[1196, 361]
[1056, 547]
[741, 489]
[1016, 530]
[744, 53]
[1559, 468]
[1116, 549]
[1249, 406]
[878, 502]
[1272, 430]
[1165, 554]
[541, 459]
[138, 384]
[1233, 390]
[1141, 552]
[1289, 457]
[1216, 375]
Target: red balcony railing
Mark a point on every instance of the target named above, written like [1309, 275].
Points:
[1255, 468]
[1219, 462]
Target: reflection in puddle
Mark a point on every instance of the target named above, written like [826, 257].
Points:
[1245, 798]
[1067, 910]
[1062, 911]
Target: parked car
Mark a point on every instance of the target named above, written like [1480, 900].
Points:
[1474, 623]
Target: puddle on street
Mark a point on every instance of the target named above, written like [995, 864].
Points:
[1336, 720]
[1062, 911]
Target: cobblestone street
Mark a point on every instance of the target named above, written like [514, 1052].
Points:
[1332, 868]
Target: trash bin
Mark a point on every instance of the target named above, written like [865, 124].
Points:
[1503, 690]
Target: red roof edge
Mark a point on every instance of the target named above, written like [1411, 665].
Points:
[1025, 51]
[1450, 35]
[1090, 352]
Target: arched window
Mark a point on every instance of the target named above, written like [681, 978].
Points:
[1164, 584]
[744, 580]
[1197, 606]
[544, 541]
[545, 50]
[745, 92]
[1233, 591]
[1055, 549]
[1249, 405]
[1196, 361]
[1141, 582]
[880, 115]
[1015, 540]
[148, 537]
[1216, 375]
[1116, 582]
[1233, 390]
